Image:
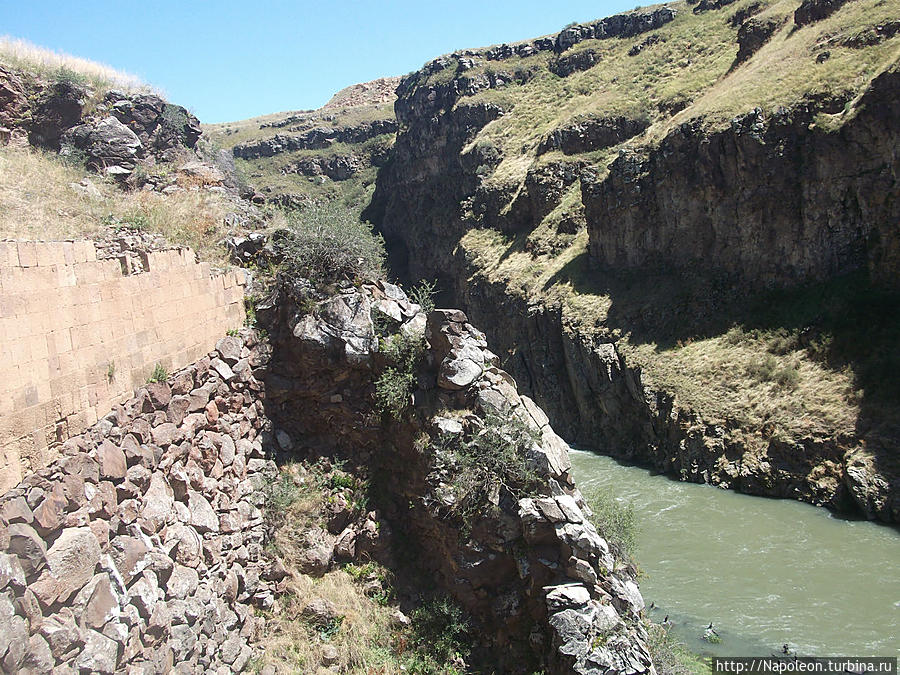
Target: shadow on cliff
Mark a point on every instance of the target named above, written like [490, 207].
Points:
[844, 323]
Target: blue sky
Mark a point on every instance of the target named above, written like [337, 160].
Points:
[231, 60]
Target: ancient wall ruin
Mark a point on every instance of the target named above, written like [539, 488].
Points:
[78, 334]
[140, 548]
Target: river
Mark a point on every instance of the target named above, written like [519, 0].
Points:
[764, 572]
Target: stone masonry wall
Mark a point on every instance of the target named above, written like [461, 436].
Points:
[78, 334]
[140, 550]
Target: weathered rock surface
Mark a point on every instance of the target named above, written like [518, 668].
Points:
[773, 200]
[314, 139]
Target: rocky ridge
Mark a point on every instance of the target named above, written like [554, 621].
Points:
[114, 133]
[538, 578]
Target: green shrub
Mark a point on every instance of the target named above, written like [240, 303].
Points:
[68, 77]
[423, 295]
[395, 385]
[327, 243]
[174, 116]
[392, 391]
[493, 457]
[440, 633]
[159, 374]
[617, 522]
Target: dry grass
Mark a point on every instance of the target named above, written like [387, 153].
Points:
[362, 638]
[37, 201]
[784, 394]
[789, 393]
[690, 64]
[46, 63]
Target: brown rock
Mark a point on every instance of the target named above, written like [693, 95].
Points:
[50, 512]
[229, 349]
[38, 657]
[100, 529]
[212, 412]
[315, 559]
[320, 612]
[98, 602]
[182, 583]
[15, 633]
[166, 434]
[160, 394]
[61, 632]
[157, 503]
[113, 463]
[16, 511]
[203, 518]
[128, 554]
[188, 549]
[100, 654]
[46, 589]
[182, 383]
[11, 571]
[178, 408]
[198, 399]
[25, 543]
[72, 559]
[28, 606]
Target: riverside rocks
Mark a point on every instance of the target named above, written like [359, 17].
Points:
[116, 555]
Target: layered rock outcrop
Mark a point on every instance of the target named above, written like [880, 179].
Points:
[774, 200]
[542, 584]
[314, 139]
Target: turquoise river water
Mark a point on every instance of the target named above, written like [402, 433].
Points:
[764, 572]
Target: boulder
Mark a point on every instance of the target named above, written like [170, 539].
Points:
[72, 560]
[25, 543]
[157, 503]
[99, 655]
[203, 517]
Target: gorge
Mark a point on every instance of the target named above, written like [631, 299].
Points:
[253, 423]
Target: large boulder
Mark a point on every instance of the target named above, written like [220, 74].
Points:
[110, 145]
[60, 109]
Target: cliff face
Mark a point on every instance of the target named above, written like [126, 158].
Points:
[774, 200]
[589, 210]
[144, 547]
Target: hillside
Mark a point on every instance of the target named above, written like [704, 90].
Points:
[301, 157]
[688, 215]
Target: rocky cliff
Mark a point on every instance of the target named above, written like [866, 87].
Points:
[543, 586]
[614, 235]
[143, 549]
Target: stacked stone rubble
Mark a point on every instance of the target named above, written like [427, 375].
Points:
[140, 550]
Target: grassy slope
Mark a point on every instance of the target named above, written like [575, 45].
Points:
[761, 373]
[38, 201]
[267, 173]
